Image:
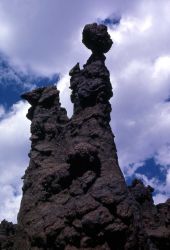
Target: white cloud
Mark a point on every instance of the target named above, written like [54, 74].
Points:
[168, 180]
[47, 35]
[65, 92]
[162, 66]
[162, 190]
[14, 147]
[140, 65]
[160, 198]
[6, 30]
[163, 155]
[10, 202]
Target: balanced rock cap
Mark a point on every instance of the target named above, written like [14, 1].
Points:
[96, 38]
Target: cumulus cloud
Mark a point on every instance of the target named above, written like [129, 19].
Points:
[47, 35]
[139, 63]
[140, 116]
[26, 78]
[65, 92]
[163, 155]
[14, 147]
[160, 198]
[162, 190]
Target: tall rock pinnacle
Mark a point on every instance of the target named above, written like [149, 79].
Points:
[74, 193]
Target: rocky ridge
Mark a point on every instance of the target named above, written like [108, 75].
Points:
[74, 193]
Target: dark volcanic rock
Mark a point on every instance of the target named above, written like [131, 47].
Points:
[155, 219]
[74, 194]
[96, 38]
[7, 235]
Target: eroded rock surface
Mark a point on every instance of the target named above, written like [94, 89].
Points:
[74, 194]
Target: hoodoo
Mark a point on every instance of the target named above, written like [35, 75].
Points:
[74, 193]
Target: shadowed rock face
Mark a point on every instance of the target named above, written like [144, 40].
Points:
[96, 38]
[74, 194]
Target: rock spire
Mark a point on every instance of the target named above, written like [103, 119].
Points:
[74, 193]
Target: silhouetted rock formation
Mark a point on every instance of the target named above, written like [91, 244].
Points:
[74, 194]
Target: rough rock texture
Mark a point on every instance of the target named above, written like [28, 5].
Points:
[74, 194]
[7, 235]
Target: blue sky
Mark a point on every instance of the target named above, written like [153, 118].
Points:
[14, 81]
[42, 48]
